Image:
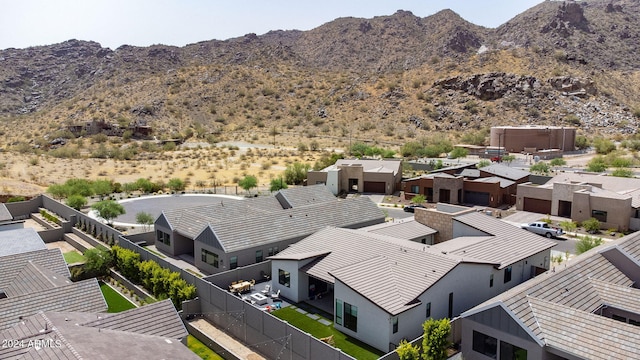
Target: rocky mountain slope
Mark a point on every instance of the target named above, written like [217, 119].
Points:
[388, 78]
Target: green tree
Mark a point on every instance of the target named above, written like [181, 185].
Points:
[604, 146]
[79, 186]
[568, 226]
[582, 142]
[436, 339]
[128, 188]
[597, 164]
[144, 185]
[418, 199]
[483, 163]
[98, 261]
[591, 225]
[587, 243]
[622, 172]
[406, 351]
[102, 187]
[358, 149]
[76, 201]
[277, 184]
[557, 162]
[327, 160]
[296, 173]
[458, 153]
[176, 185]
[508, 158]
[540, 168]
[108, 209]
[58, 191]
[145, 219]
[248, 182]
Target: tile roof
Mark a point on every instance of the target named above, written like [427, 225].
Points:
[20, 240]
[505, 172]
[504, 183]
[507, 245]
[62, 336]
[5, 215]
[557, 307]
[11, 266]
[381, 268]
[407, 229]
[84, 296]
[34, 278]
[157, 319]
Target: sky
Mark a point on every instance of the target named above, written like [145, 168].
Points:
[112, 23]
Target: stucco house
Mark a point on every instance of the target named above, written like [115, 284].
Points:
[492, 186]
[224, 235]
[586, 308]
[359, 175]
[383, 287]
[532, 138]
[612, 200]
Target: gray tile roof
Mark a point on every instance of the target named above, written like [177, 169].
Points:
[11, 266]
[157, 319]
[470, 173]
[376, 266]
[509, 244]
[69, 340]
[20, 240]
[557, 307]
[504, 183]
[34, 278]
[5, 215]
[505, 172]
[83, 296]
[403, 229]
[306, 195]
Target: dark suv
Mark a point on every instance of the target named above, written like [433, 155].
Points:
[412, 208]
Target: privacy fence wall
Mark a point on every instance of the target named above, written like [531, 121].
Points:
[258, 329]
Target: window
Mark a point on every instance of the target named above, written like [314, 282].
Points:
[259, 256]
[210, 258]
[275, 250]
[491, 281]
[284, 278]
[511, 352]
[450, 305]
[428, 310]
[394, 321]
[233, 262]
[619, 318]
[338, 311]
[485, 345]
[507, 274]
[163, 237]
[599, 215]
[634, 322]
[270, 252]
[415, 189]
[351, 317]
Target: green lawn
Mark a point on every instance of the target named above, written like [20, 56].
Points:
[115, 301]
[74, 256]
[201, 349]
[351, 346]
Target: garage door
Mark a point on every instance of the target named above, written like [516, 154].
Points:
[374, 187]
[537, 205]
[476, 198]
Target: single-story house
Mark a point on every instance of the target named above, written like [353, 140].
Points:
[491, 186]
[614, 201]
[359, 175]
[586, 308]
[383, 288]
[225, 235]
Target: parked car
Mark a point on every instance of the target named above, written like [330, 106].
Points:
[412, 208]
[543, 228]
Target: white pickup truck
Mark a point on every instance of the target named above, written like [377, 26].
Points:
[542, 228]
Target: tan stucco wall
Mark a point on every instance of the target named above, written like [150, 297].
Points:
[529, 190]
[514, 139]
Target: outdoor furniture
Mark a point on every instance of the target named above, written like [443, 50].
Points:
[259, 298]
[267, 289]
[276, 294]
[240, 287]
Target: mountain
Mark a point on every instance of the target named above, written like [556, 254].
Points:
[387, 78]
